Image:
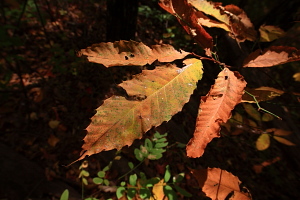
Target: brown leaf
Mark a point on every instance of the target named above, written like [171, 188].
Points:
[269, 33]
[53, 140]
[119, 121]
[215, 108]
[187, 17]
[258, 168]
[123, 53]
[218, 184]
[283, 141]
[274, 55]
[261, 94]
[235, 19]
[278, 132]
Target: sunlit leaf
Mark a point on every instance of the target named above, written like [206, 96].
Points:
[158, 192]
[218, 184]
[263, 142]
[269, 33]
[283, 141]
[118, 122]
[187, 17]
[235, 19]
[275, 55]
[122, 53]
[215, 108]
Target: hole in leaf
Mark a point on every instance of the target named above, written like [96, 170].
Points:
[226, 77]
[126, 58]
[131, 55]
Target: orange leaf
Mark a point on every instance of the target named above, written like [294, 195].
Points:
[215, 108]
[187, 17]
[122, 53]
[283, 141]
[237, 23]
[275, 55]
[158, 191]
[119, 121]
[218, 184]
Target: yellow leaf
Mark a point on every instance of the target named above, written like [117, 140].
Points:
[119, 121]
[297, 76]
[158, 191]
[54, 124]
[284, 141]
[269, 33]
[263, 142]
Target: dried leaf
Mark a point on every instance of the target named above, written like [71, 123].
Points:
[275, 55]
[235, 19]
[283, 141]
[53, 140]
[187, 17]
[263, 142]
[158, 192]
[118, 122]
[269, 33]
[218, 184]
[122, 53]
[261, 94]
[278, 132]
[258, 168]
[215, 108]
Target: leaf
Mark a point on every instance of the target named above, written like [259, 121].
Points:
[267, 117]
[296, 76]
[261, 94]
[235, 19]
[269, 33]
[218, 184]
[98, 180]
[278, 132]
[169, 192]
[215, 108]
[158, 192]
[275, 55]
[187, 17]
[167, 175]
[118, 122]
[120, 192]
[65, 195]
[182, 191]
[53, 124]
[263, 142]
[132, 179]
[123, 53]
[283, 141]
[252, 111]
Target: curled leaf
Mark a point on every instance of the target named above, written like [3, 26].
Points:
[215, 108]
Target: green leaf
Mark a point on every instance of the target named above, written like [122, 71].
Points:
[182, 191]
[123, 183]
[98, 180]
[131, 193]
[148, 144]
[152, 182]
[132, 179]
[120, 192]
[130, 164]
[106, 182]
[169, 192]
[154, 156]
[101, 174]
[65, 195]
[161, 140]
[84, 173]
[145, 193]
[161, 145]
[84, 181]
[178, 178]
[167, 175]
[138, 154]
[106, 168]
